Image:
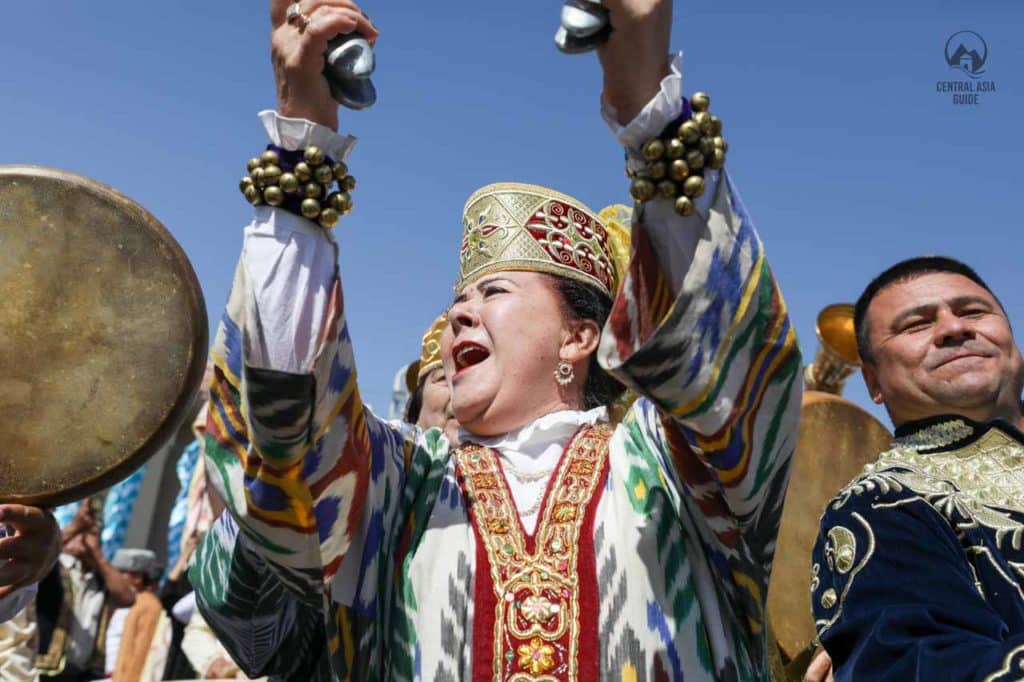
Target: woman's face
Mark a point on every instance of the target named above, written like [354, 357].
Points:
[436, 409]
[506, 335]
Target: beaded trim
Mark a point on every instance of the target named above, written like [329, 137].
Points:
[936, 436]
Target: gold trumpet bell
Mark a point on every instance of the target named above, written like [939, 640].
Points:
[837, 356]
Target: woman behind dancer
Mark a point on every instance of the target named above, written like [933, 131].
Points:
[551, 545]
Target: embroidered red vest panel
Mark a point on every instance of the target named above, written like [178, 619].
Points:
[535, 615]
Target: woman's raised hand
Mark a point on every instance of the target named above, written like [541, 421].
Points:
[297, 46]
[635, 57]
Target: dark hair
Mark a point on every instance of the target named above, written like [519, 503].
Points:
[901, 272]
[414, 404]
[584, 302]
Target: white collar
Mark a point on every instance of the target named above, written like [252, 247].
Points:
[534, 438]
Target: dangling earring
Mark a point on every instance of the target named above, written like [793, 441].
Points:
[564, 373]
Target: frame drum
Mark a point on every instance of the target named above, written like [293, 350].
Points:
[103, 336]
[836, 440]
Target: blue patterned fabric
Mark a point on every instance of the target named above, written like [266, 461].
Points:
[117, 512]
[185, 468]
[66, 512]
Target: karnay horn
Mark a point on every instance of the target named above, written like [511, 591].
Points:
[837, 356]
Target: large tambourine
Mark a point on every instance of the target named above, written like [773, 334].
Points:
[103, 336]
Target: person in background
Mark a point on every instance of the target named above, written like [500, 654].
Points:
[430, 400]
[179, 603]
[143, 647]
[74, 603]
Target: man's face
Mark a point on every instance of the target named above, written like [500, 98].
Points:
[500, 349]
[941, 344]
[436, 409]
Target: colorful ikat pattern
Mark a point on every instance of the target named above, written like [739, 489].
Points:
[364, 527]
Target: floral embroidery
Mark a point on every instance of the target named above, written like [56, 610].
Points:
[537, 657]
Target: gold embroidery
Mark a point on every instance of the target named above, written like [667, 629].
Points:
[537, 619]
[939, 435]
[841, 550]
[822, 625]
[537, 657]
[828, 599]
[990, 470]
[1010, 666]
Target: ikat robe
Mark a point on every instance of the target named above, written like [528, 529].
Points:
[349, 553]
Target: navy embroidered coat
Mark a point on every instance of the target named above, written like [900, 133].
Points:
[918, 569]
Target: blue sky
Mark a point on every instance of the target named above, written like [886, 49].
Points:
[845, 154]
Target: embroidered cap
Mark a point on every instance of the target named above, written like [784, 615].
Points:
[430, 353]
[513, 226]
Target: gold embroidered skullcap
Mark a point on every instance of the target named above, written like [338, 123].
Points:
[430, 353]
[512, 226]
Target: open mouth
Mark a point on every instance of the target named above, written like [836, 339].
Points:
[467, 354]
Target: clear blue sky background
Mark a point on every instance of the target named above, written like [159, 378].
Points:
[845, 153]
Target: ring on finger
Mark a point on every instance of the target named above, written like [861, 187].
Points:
[294, 16]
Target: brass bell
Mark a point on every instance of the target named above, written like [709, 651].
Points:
[694, 159]
[706, 146]
[340, 170]
[244, 182]
[257, 176]
[720, 143]
[714, 126]
[684, 206]
[253, 164]
[348, 183]
[329, 217]
[703, 120]
[666, 189]
[312, 190]
[678, 170]
[693, 186]
[323, 174]
[289, 183]
[314, 156]
[657, 170]
[273, 195]
[717, 159]
[310, 208]
[303, 172]
[689, 132]
[642, 189]
[339, 201]
[271, 175]
[252, 195]
[700, 101]
[674, 148]
[270, 158]
[654, 150]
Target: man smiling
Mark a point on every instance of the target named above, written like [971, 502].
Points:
[918, 572]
